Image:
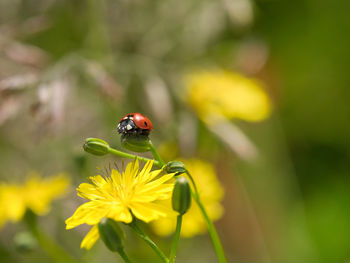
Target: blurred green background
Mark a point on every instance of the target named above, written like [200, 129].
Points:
[71, 69]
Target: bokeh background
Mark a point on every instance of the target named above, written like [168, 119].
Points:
[71, 69]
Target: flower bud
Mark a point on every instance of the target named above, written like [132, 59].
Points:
[175, 167]
[111, 234]
[181, 199]
[96, 146]
[25, 242]
[135, 143]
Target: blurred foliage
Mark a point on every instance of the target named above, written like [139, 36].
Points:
[70, 70]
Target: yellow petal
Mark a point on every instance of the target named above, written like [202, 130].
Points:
[120, 214]
[150, 211]
[227, 94]
[38, 193]
[130, 173]
[89, 213]
[90, 239]
[57, 185]
[132, 168]
[164, 226]
[153, 174]
[157, 182]
[88, 191]
[144, 174]
[17, 207]
[116, 177]
[98, 180]
[161, 192]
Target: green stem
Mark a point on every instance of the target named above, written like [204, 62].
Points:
[124, 256]
[132, 156]
[149, 241]
[212, 231]
[155, 153]
[211, 228]
[193, 183]
[176, 239]
[54, 250]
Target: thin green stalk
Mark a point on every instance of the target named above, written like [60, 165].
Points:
[149, 241]
[176, 239]
[132, 156]
[156, 154]
[212, 231]
[52, 249]
[193, 183]
[124, 256]
[211, 228]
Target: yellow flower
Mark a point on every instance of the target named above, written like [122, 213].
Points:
[39, 193]
[119, 197]
[211, 193]
[225, 94]
[35, 194]
[12, 205]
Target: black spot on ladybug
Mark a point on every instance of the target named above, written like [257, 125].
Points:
[145, 123]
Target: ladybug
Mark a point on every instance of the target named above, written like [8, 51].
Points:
[135, 123]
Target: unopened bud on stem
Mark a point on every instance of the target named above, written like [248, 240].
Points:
[181, 199]
[111, 234]
[135, 142]
[96, 146]
[175, 167]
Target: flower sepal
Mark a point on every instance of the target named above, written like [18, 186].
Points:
[111, 234]
[181, 199]
[25, 242]
[175, 167]
[135, 143]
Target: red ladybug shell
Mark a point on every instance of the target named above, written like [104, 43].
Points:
[140, 121]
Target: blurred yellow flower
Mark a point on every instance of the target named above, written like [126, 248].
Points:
[225, 94]
[119, 197]
[35, 194]
[211, 193]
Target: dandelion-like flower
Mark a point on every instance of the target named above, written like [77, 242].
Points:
[122, 196]
[225, 94]
[211, 193]
[35, 194]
